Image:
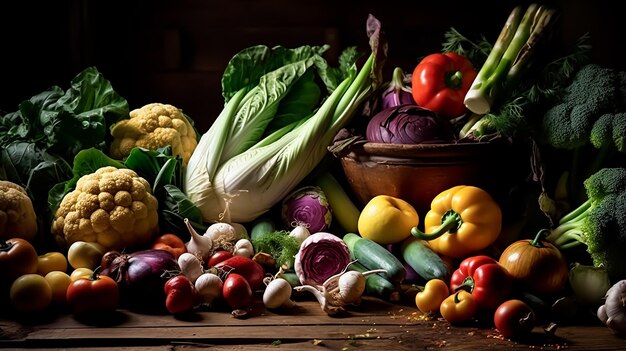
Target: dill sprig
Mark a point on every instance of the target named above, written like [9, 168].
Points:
[475, 51]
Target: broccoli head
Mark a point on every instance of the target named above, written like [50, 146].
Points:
[599, 223]
[593, 92]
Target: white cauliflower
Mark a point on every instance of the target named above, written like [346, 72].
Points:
[154, 126]
[17, 215]
[113, 207]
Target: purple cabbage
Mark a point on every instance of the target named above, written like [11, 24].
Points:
[321, 256]
[396, 93]
[307, 206]
[408, 124]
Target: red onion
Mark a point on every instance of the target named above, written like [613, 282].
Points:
[397, 92]
[307, 206]
[140, 277]
[408, 124]
[321, 256]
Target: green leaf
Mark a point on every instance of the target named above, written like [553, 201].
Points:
[246, 68]
[175, 206]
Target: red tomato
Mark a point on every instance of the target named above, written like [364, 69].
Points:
[181, 294]
[514, 319]
[170, 242]
[17, 257]
[217, 257]
[246, 267]
[95, 294]
[237, 292]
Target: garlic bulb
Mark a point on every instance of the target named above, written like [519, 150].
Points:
[341, 289]
[200, 245]
[613, 312]
[190, 266]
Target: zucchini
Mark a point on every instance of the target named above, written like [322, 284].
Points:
[427, 263]
[372, 255]
[376, 285]
[291, 277]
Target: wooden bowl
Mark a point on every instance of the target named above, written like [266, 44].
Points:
[417, 173]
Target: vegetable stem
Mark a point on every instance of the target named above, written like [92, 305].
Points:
[510, 56]
[451, 221]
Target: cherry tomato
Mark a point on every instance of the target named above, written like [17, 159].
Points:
[217, 257]
[58, 281]
[51, 261]
[30, 293]
[429, 300]
[170, 242]
[96, 294]
[17, 257]
[237, 292]
[181, 294]
[514, 319]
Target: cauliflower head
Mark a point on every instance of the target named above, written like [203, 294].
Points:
[17, 215]
[154, 126]
[113, 207]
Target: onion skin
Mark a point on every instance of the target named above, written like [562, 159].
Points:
[139, 276]
[408, 124]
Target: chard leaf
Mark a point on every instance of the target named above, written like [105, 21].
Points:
[246, 68]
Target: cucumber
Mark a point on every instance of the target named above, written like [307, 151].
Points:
[376, 285]
[343, 209]
[427, 263]
[260, 227]
[291, 277]
[374, 256]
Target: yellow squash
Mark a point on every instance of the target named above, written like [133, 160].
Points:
[462, 220]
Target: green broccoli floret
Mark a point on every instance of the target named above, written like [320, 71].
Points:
[599, 223]
[593, 92]
[588, 119]
[609, 131]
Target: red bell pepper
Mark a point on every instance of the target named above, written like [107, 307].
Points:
[440, 82]
[488, 282]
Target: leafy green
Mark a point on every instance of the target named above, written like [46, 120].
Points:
[280, 245]
[245, 69]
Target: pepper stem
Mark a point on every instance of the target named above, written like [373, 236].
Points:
[537, 241]
[455, 79]
[467, 285]
[450, 223]
[96, 273]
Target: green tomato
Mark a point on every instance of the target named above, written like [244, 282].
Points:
[30, 293]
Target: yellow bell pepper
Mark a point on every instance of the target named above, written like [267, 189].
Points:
[462, 221]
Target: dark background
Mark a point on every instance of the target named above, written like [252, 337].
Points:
[175, 51]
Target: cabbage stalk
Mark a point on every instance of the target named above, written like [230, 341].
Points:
[240, 169]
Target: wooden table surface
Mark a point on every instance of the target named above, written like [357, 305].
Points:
[374, 325]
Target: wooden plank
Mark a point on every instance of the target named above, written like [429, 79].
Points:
[373, 325]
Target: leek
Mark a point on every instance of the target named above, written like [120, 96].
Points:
[243, 166]
[511, 55]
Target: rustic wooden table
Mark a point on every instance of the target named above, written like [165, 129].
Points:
[374, 325]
